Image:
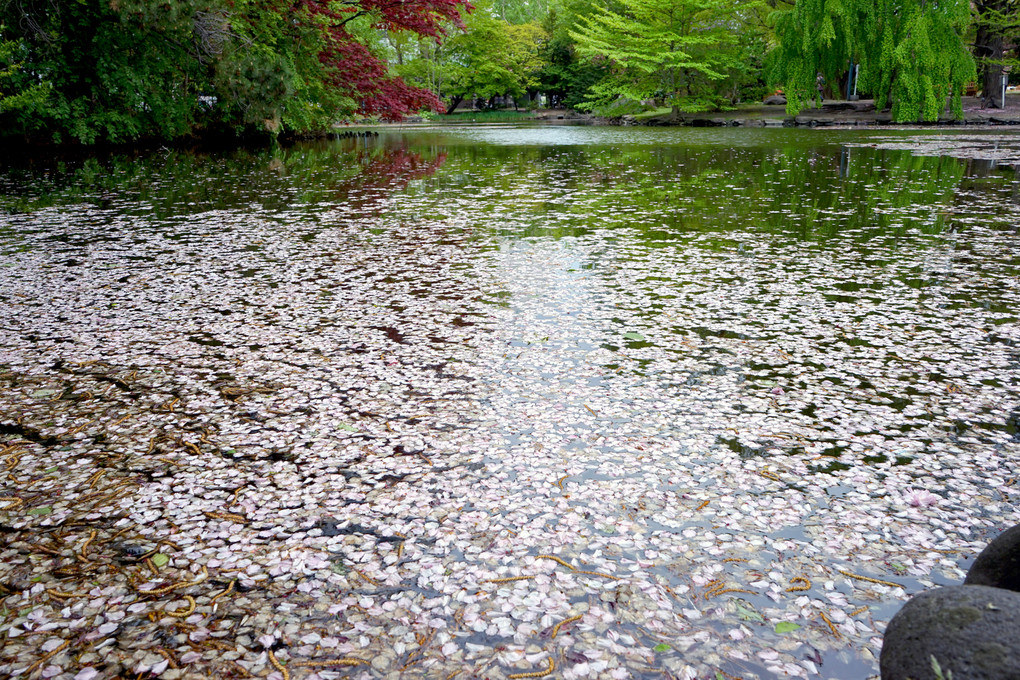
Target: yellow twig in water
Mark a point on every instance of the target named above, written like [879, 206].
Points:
[832, 627]
[555, 559]
[277, 665]
[714, 584]
[703, 505]
[536, 674]
[712, 590]
[734, 559]
[122, 420]
[12, 499]
[367, 578]
[859, 610]
[193, 447]
[61, 594]
[326, 663]
[869, 579]
[183, 613]
[594, 414]
[597, 573]
[228, 516]
[770, 475]
[804, 584]
[508, 579]
[731, 590]
[226, 591]
[85, 546]
[560, 481]
[177, 586]
[556, 628]
[47, 656]
[168, 656]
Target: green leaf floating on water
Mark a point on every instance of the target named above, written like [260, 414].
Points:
[42, 510]
[345, 426]
[747, 612]
[160, 560]
[786, 626]
[633, 336]
[662, 647]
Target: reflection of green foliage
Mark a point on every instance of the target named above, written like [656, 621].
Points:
[179, 183]
[670, 192]
[662, 193]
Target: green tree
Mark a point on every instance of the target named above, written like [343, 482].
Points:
[678, 49]
[18, 91]
[566, 76]
[911, 52]
[122, 70]
[997, 24]
[493, 58]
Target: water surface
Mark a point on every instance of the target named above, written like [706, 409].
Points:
[721, 374]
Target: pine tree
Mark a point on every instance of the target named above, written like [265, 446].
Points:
[911, 52]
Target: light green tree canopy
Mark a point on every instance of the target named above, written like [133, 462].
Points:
[493, 57]
[911, 52]
[675, 49]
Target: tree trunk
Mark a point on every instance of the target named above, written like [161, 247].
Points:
[988, 49]
[454, 103]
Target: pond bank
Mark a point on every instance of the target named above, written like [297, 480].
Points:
[832, 113]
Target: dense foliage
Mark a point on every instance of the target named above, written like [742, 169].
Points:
[678, 50]
[911, 52]
[124, 70]
[121, 70]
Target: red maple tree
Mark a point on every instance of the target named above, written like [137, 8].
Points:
[363, 75]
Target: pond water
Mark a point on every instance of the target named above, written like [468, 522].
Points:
[751, 389]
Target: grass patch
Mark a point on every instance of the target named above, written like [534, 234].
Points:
[485, 116]
[654, 113]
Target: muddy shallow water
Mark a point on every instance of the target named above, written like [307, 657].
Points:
[498, 401]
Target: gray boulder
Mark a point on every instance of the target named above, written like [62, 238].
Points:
[973, 631]
[998, 564]
[775, 100]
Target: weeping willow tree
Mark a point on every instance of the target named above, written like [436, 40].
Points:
[911, 52]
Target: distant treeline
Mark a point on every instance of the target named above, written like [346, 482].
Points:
[121, 71]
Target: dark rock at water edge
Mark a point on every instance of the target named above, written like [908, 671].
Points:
[972, 631]
[998, 565]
